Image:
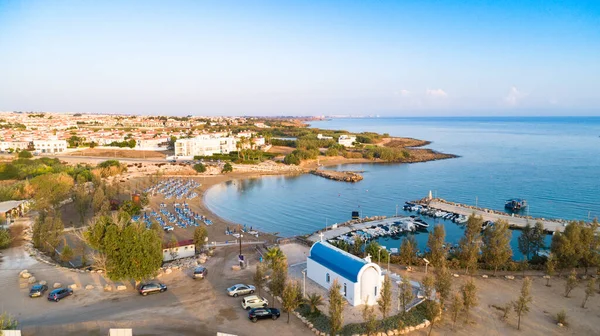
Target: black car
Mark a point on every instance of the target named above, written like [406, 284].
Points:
[151, 288]
[59, 293]
[263, 313]
[37, 290]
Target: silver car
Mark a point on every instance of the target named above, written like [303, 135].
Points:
[240, 289]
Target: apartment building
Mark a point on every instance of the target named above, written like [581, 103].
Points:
[205, 145]
[50, 146]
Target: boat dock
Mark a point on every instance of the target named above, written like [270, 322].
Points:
[515, 222]
[335, 231]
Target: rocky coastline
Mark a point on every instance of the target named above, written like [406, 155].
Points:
[344, 176]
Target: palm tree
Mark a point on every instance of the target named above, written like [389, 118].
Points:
[274, 256]
[314, 300]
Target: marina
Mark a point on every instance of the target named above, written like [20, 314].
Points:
[514, 221]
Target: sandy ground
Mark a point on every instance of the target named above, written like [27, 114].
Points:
[485, 319]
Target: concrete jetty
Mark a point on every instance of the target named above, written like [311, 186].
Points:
[491, 215]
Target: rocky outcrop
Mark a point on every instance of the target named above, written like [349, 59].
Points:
[344, 176]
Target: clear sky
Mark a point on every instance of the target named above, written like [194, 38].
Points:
[301, 57]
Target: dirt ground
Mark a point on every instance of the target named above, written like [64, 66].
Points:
[485, 319]
[120, 153]
[189, 307]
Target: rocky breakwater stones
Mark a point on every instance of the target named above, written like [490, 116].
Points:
[57, 285]
[344, 176]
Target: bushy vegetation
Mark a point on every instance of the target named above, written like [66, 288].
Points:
[199, 167]
[4, 238]
[245, 156]
[298, 155]
[321, 321]
[131, 143]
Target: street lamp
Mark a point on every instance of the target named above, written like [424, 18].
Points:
[426, 263]
[241, 257]
[304, 283]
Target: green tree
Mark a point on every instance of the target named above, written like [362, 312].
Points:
[357, 246]
[314, 301]
[456, 306]
[130, 208]
[405, 294]
[496, 245]
[443, 283]
[200, 168]
[566, 246]
[336, 308]
[291, 297]
[590, 290]
[469, 244]
[521, 305]
[4, 239]
[259, 277]
[278, 279]
[200, 235]
[274, 256]
[50, 190]
[99, 199]
[538, 237]
[435, 242]
[469, 293]
[427, 285]
[589, 246]
[47, 233]
[66, 254]
[227, 168]
[571, 283]
[25, 155]
[376, 251]
[550, 268]
[385, 299]
[369, 318]
[8, 322]
[131, 251]
[525, 240]
[408, 250]
[433, 312]
[82, 201]
[173, 247]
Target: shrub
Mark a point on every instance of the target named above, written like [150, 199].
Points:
[561, 317]
[200, 168]
[4, 238]
[227, 168]
[25, 155]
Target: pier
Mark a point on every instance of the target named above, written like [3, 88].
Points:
[515, 222]
[345, 176]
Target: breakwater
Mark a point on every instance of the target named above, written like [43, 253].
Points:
[515, 221]
[345, 176]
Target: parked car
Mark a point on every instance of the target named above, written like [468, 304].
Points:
[37, 290]
[254, 301]
[263, 313]
[240, 289]
[151, 288]
[200, 272]
[59, 293]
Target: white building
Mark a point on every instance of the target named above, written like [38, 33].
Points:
[360, 279]
[322, 137]
[347, 140]
[50, 146]
[15, 145]
[152, 144]
[205, 145]
[184, 249]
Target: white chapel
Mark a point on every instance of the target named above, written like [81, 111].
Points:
[360, 279]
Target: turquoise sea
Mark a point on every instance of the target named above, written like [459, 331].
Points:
[552, 162]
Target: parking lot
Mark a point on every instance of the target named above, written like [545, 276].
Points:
[188, 307]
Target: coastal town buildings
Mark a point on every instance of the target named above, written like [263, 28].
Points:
[347, 140]
[205, 145]
[184, 249]
[360, 279]
[322, 137]
[50, 146]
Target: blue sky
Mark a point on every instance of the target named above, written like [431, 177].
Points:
[301, 57]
